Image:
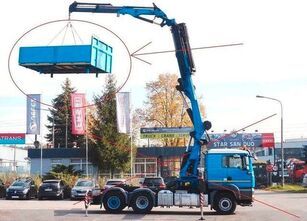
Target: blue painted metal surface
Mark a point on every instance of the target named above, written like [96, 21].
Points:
[219, 173]
[94, 58]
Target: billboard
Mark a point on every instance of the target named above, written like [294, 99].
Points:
[165, 132]
[78, 106]
[238, 140]
[33, 114]
[12, 138]
[217, 140]
[123, 112]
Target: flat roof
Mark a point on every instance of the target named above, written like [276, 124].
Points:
[220, 151]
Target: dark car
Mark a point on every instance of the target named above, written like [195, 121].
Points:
[22, 188]
[2, 189]
[153, 183]
[114, 182]
[169, 180]
[53, 189]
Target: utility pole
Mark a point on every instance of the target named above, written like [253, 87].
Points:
[281, 136]
[86, 143]
[66, 130]
[53, 131]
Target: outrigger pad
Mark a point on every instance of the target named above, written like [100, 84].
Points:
[67, 59]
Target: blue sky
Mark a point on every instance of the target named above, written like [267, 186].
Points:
[271, 62]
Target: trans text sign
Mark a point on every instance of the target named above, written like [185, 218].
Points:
[12, 138]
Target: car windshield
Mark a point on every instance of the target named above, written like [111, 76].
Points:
[113, 182]
[19, 183]
[84, 183]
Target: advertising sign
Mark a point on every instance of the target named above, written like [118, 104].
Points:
[78, 113]
[238, 140]
[12, 138]
[165, 132]
[217, 140]
[123, 112]
[33, 113]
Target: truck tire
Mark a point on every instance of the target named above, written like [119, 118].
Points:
[224, 203]
[142, 202]
[114, 202]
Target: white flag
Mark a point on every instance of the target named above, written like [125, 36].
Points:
[123, 112]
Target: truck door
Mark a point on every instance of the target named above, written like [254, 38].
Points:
[215, 173]
[238, 171]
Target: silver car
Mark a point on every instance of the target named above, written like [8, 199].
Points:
[82, 186]
[304, 183]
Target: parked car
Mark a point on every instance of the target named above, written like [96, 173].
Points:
[114, 182]
[2, 189]
[304, 183]
[170, 180]
[153, 183]
[22, 188]
[53, 189]
[82, 186]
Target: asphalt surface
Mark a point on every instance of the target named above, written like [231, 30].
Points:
[267, 206]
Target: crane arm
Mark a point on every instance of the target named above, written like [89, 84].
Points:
[134, 11]
[186, 66]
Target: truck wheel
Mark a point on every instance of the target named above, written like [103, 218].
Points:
[114, 202]
[224, 203]
[142, 202]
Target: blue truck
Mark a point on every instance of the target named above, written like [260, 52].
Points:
[219, 178]
[228, 181]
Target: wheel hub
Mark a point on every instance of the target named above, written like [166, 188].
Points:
[142, 202]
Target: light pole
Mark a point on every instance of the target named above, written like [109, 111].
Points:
[281, 136]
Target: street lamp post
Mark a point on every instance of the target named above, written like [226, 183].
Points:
[281, 136]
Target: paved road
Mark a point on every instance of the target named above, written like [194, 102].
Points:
[268, 206]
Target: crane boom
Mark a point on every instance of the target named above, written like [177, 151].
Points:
[186, 66]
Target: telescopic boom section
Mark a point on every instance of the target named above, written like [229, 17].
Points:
[186, 67]
[134, 11]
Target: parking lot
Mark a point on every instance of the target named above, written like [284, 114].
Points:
[268, 206]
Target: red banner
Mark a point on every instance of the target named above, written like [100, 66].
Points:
[268, 140]
[78, 106]
[12, 138]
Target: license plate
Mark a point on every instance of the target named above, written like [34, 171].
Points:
[48, 190]
[15, 197]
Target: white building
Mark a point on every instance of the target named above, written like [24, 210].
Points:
[14, 159]
[293, 148]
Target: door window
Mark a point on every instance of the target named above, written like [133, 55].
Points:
[233, 162]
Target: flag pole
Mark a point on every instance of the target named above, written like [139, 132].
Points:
[131, 153]
[86, 142]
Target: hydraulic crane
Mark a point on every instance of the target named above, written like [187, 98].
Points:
[229, 177]
[186, 67]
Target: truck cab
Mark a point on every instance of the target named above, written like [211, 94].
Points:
[230, 177]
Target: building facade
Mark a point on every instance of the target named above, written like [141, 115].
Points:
[166, 161]
[14, 159]
[42, 160]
